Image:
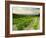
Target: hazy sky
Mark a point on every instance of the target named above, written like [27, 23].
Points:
[25, 10]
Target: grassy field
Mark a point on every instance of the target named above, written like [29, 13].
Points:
[25, 22]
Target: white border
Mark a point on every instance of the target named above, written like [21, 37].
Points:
[25, 31]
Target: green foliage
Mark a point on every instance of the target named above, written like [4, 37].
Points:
[36, 23]
[23, 21]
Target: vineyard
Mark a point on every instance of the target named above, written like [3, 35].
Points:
[25, 22]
